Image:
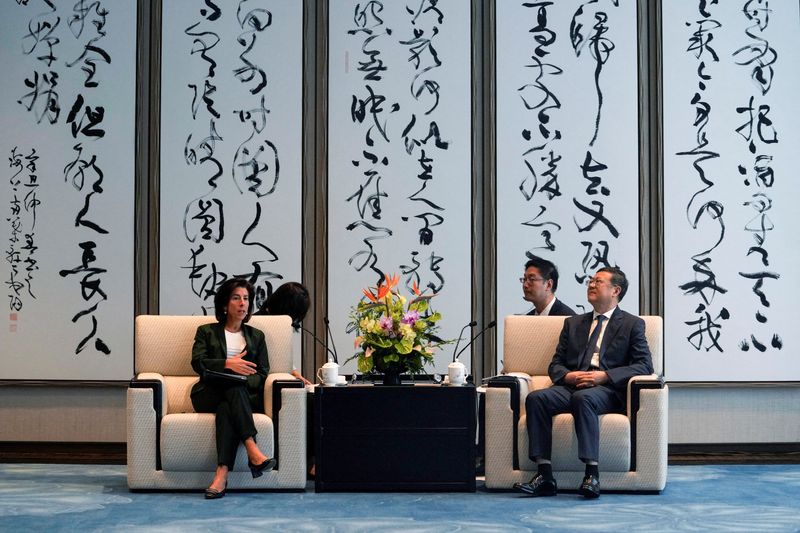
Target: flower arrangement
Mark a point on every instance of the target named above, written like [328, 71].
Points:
[394, 335]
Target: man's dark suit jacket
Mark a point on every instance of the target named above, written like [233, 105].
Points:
[624, 352]
[210, 351]
[559, 309]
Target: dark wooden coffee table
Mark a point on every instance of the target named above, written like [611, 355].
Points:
[395, 438]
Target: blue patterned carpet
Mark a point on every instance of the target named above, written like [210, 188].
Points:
[697, 498]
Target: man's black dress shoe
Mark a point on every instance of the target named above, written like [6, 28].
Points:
[538, 486]
[266, 466]
[590, 487]
[214, 494]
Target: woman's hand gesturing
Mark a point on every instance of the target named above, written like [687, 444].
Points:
[239, 365]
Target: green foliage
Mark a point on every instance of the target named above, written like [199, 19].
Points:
[392, 332]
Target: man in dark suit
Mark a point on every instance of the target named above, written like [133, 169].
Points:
[539, 285]
[597, 353]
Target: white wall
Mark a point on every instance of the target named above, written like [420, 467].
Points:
[721, 414]
[62, 414]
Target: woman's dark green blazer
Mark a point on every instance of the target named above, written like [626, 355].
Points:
[209, 353]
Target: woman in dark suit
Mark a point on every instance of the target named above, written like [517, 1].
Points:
[231, 346]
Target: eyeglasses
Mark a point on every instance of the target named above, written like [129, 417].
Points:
[595, 281]
[530, 279]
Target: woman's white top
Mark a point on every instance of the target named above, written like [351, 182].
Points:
[235, 343]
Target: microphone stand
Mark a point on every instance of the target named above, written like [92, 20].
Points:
[330, 333]
[297, 325]
[470, 325]
[489, 326]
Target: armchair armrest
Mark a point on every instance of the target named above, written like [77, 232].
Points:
[269, 385]
[289, 420]
[525, 384]
[638, 383]
[146, 406]
[514, 385]
[636, 386]
[145, 377]
[278, 386]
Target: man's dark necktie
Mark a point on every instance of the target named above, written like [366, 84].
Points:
[587, 353]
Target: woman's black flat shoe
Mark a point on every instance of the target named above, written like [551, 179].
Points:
[214, 494]
[266, 466]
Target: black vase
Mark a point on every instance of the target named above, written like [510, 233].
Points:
[391, 376]
[390, 370]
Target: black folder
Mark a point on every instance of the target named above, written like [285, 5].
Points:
[213, 375]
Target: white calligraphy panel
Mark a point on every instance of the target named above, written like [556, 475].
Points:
[231, 149]
[730, 190]
[399, 148]
[67, 112]
[567, 146]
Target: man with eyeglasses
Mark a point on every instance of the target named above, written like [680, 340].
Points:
[597, 353]
[539, 285]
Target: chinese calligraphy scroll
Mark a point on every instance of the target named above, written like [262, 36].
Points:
[231, 149]
[67, 189]
[399, 155]
[730, 189]
[567, 145]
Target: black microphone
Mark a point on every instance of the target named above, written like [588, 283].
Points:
[470, 325]
[490, 325]
[330, 333]
[296, 325]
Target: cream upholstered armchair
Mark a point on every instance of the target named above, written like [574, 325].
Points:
[633, 446]
[170, 446]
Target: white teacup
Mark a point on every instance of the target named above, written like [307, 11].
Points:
[457, 373]
[341, 380]
[328, 373]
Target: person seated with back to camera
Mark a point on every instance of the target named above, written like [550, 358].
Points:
[291, 299]
[231, 346]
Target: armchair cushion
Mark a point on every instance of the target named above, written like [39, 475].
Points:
[188, 444]
[177, 397]
[615, 438]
